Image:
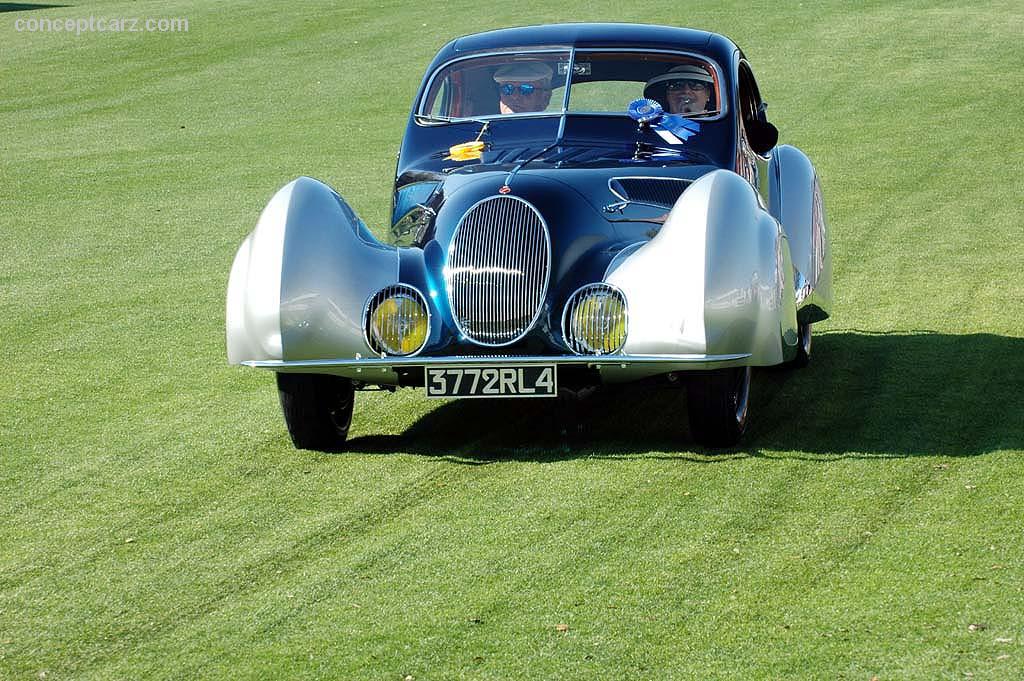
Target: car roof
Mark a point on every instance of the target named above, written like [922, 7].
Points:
[589, 35]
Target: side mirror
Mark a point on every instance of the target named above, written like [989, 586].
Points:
[761, 135]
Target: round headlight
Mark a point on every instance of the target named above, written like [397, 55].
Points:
[397, 321]
[595, 320]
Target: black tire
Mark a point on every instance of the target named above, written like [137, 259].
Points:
[317, 409]
[803, 347]
[719, 405]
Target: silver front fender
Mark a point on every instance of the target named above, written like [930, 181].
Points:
[716, 280]
[301, 279]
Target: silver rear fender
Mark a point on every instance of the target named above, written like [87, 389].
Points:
[796, 202]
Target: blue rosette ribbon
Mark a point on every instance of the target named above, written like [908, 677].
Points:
[645, 110]
[672, 128]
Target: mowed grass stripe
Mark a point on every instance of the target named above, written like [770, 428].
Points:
[549, 557]
[229, 551]
[572, 562]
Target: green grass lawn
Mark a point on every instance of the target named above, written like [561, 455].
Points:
[155, 521]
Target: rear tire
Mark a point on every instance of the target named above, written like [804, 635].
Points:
[317, 409]
[719, 404]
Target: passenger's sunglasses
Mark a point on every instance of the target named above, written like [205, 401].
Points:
[687, 83]
[525, 89]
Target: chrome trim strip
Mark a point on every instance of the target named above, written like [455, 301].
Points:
[565, 97]
[593, 360]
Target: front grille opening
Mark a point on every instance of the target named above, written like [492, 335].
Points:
[498, 270]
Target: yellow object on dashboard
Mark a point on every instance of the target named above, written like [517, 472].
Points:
[467, 151]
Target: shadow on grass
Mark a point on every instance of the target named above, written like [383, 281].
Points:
[864, 395]
[24, 7]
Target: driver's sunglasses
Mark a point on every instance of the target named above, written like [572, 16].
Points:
[688, 83]
[525, 89]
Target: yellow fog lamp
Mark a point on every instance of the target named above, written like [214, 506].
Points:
[595, 320]
[397, 321]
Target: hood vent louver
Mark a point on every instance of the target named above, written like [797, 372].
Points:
[660, 191]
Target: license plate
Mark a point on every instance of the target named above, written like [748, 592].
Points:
[535, 380]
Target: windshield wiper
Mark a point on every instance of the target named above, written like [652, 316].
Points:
[431, 118]
[694, 114]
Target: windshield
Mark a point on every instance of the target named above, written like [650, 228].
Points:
[602, 81]
[517, 83]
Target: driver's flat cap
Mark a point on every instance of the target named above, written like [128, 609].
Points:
[523, 72]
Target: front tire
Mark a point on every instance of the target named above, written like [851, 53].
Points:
[317, 409]
[719, 404]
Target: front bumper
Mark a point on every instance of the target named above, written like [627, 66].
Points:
[611, 368]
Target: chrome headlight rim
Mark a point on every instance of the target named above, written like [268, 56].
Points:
[407, 291]
[577, 345]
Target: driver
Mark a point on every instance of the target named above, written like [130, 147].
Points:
[523, 86]
[682, 89]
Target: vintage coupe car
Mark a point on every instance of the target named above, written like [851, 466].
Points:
[574, 205]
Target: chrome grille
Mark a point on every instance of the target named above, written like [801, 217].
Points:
[499, 262]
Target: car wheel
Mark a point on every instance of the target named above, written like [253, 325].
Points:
[803, 348]
[719, 403]
[317, 409]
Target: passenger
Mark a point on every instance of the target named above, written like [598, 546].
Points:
[684, 89]
[523, 86]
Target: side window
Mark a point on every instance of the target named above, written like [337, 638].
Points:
[757, 134]
[439, 101]
[750, 98]
[746, 112]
